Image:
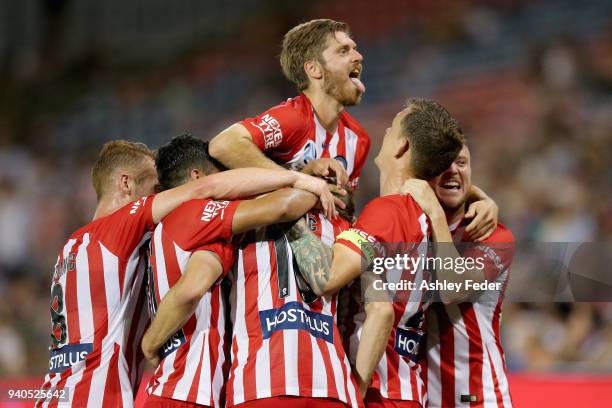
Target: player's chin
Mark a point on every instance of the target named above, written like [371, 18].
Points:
[352, 98]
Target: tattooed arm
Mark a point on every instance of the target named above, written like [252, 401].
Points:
[326, 270]
[313, 257]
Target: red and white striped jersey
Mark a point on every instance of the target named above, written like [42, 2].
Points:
[465, 362]
[396, 219]
[290, 133]
[280, 344]
[98, 311]
[192, 360]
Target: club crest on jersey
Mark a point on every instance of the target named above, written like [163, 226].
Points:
[407, 342]
[292, 315]
[304, 156]
[67, 356]
[212, 209]
[271, 130]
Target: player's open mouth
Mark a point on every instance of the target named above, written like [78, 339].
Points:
[451, 185]
[354, 76]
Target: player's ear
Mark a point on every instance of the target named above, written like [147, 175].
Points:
[313, 69]
[125, 183]
[404, 146]
[196, 174]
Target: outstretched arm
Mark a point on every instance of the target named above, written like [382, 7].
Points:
[234, 184]
[203, 270]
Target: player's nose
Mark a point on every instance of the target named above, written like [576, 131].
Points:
[357, 56]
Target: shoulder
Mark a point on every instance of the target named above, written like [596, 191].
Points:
[352, 123]
[501, 234]
[294, 109]
[396, 202]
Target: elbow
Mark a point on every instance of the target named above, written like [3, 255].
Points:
[207, 188]
[216, 147]
[292, 208]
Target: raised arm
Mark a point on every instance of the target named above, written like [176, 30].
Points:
[280, 206]
[237, 183]
[203, 270]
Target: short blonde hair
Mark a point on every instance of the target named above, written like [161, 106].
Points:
[306, 42]
[117, 154]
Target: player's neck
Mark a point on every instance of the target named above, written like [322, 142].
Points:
[325, 107]
[453, 217]
[392, 179]
[108, 205]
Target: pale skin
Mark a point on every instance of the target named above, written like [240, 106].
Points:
[204, 267]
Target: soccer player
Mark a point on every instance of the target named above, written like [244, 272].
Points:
[98, 274]
[422, 141]
[322, 60]
[271, 357]
[465, 362]
[192, 251]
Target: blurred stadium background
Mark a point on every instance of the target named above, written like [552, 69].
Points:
[531, 82]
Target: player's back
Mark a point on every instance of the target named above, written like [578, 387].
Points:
[280, 344]
[192, 360]
[98, 309]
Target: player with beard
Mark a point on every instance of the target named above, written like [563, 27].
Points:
[465, 363]
[322, 60]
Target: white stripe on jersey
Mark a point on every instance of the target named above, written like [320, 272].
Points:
[351, 148]
[86, 323]
[320, 135]
[239, 323]
[264, 302]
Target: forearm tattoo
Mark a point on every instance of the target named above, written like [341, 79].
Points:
[312, 256]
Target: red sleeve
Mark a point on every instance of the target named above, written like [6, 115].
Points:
[280, 128]
[201, 222]
[378, 224]
[124, 229]
[496, 252]
[225, 252]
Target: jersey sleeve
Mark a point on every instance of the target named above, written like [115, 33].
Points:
[226, 253]
[376, 225]
[124, 229]
[280, 128]
[200, 222]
